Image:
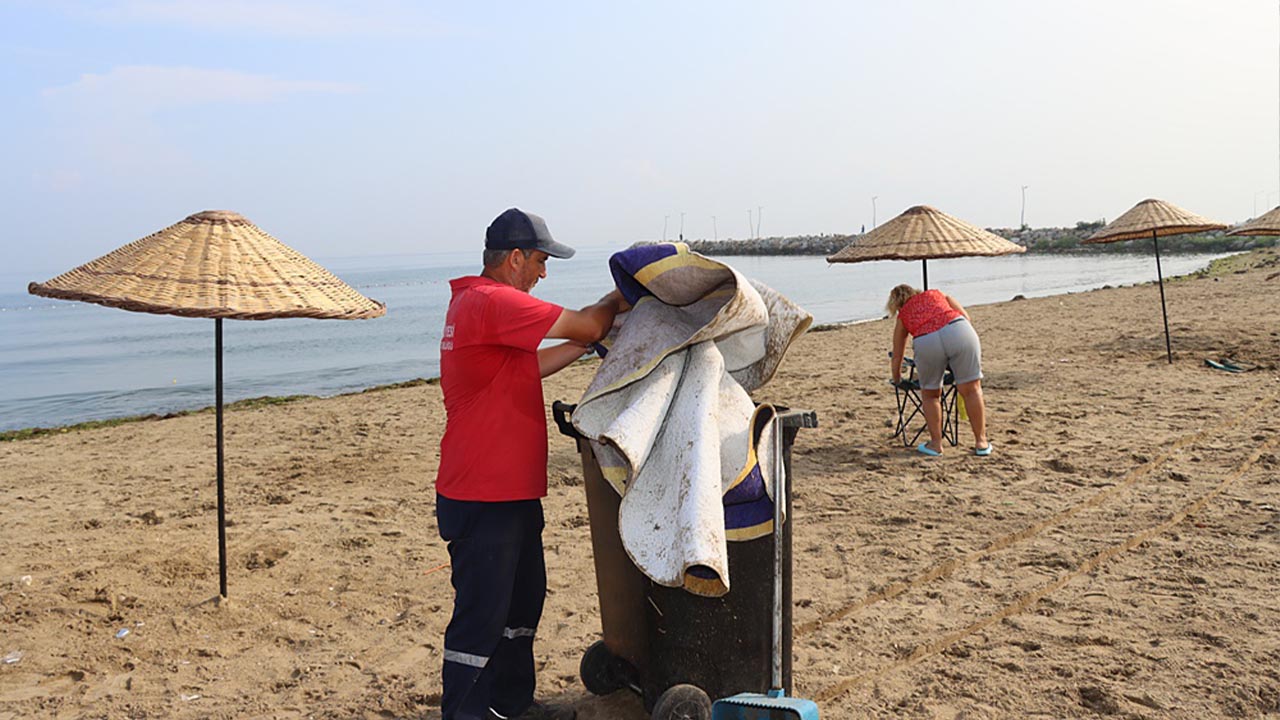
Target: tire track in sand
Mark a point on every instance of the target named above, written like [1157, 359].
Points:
[947, 568]
[930, 649]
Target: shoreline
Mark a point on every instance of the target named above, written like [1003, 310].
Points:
[1217, 267]
[1037, 241]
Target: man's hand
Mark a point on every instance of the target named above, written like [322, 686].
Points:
[620, 302]
[592, 323]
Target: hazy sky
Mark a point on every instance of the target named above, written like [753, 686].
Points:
[389, 127]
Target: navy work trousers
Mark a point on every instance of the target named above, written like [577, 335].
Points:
[499, 583]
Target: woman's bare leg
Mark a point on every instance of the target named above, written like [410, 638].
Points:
[977, 409]
[931, 403]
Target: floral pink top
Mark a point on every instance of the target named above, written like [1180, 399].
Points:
[927, 312]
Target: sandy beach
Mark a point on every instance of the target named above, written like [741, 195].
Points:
[1118, 554]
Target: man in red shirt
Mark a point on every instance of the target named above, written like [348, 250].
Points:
[493, 464]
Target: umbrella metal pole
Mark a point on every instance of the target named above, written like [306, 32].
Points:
[924, 267]
[222, 503]
[1168, 346]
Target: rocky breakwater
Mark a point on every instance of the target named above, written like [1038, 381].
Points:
[798, 245]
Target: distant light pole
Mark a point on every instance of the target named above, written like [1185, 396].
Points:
[664, 227]
[751, 224]
[715, 233]
[759, 215]
[1266, 200]
[681, 227]
[1022, 222]
[873, 211]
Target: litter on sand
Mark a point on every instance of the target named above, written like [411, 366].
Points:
[1223, 365]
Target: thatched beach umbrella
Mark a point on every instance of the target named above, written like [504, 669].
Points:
[924, 233]
[214, 264]
[1267, 224]
[1155, 219]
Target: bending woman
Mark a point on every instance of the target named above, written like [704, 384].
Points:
[942, 336]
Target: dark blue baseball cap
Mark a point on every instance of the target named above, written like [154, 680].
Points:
[518, 229]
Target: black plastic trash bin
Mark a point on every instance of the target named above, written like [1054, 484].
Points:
[678, 650]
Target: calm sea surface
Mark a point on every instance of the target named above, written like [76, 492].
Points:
[66, 362]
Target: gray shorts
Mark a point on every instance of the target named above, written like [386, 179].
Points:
[955, 345]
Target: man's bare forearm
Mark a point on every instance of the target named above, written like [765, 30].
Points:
[557, 357]
[592, 322]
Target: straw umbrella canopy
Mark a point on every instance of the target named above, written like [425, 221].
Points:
[924, 233]
[1155, 219]
[214, 264]
[1267, 224]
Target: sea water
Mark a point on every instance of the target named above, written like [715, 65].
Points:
[66, 362]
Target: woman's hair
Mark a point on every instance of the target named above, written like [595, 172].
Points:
[899, 297]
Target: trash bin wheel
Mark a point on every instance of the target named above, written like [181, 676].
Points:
[599, 670]
[682, 702]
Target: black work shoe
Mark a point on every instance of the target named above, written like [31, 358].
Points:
[540, 711]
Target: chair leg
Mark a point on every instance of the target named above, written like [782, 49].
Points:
[899, 401]
[907, 395]
[902, 429]
[915, 439]
[951, 416]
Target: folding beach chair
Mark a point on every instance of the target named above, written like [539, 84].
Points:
[906, 393]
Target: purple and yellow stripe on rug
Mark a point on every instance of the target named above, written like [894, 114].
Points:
[667, 271]
[748, 504]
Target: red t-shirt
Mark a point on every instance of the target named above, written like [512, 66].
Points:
[926, 312]
[495, 437]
